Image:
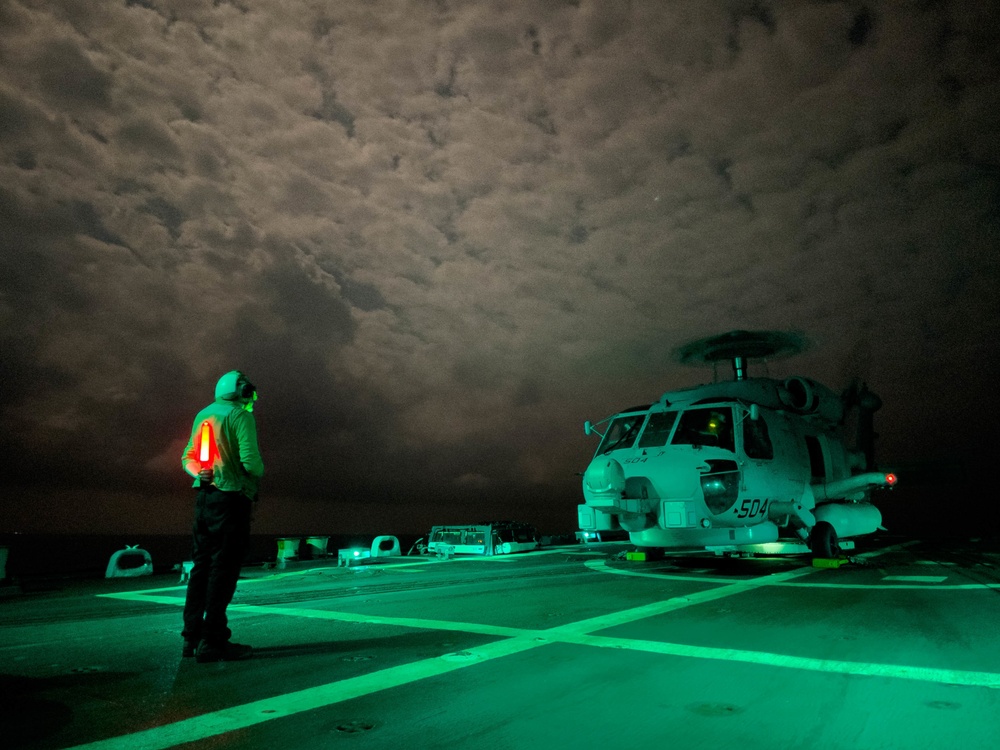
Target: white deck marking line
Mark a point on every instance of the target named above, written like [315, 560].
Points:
[601, 566]
[896, 586]
[325, 614]
[867, 669]
[578, 633]
[280, 706]
[390, 566]
[916, 579]
[678, 602]
[277, 576]
[583, 626]
[238, 717]
[461, 557]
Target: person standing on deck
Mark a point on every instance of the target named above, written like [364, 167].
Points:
[224, 459]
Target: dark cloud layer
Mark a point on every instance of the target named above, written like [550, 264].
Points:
[440, 235]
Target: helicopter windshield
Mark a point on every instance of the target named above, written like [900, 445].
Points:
[711, 426]
[658, 429]
[621, 432]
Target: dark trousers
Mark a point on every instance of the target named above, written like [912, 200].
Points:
[221, 537]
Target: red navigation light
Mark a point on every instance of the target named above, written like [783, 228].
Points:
[891, 479]
[206, 453]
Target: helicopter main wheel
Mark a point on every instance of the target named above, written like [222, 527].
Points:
[823, 541]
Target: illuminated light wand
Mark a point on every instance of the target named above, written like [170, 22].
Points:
[206, 453]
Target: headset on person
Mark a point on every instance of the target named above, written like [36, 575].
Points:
[242, 388]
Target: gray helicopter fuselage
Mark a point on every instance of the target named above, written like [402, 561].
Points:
[742, 462]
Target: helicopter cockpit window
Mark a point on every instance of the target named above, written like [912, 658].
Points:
[657, 429]
[706, 427]
[756, 440]
[621, 433]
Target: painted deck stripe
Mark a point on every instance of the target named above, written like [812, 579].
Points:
[325, 614]
[866, 669]
[602, 567]
[916, 579]
[280, 706]
[239, 717]
[583, 626]
[897, 586]
[289, 704]
[403, 622]
[515, 640]
[389, 566]
[678, 602]
[518, 640]
[463, 557]
[326, 569]
[580, 633]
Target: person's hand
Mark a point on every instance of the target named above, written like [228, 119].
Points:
[206, 476]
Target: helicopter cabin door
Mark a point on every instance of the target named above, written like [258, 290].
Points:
[765, 477]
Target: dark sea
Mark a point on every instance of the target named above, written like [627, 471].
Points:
[69, 556]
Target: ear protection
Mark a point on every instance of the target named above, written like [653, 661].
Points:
[244, 388]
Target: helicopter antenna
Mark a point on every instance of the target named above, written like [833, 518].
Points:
[741, 348]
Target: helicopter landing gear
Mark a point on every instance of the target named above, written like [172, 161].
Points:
[823, 541]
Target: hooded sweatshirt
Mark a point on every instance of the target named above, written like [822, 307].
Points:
[236, 457]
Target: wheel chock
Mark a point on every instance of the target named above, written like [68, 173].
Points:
[644, 555]
[829, 562]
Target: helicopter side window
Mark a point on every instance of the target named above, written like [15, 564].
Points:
[621, 433]
[816, 462]
[657, 429]
[756, 440]
[706, 427]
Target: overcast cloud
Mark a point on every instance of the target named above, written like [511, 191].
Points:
[439, 235]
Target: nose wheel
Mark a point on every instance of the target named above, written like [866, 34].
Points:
[823, 541]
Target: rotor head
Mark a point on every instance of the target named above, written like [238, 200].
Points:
[740, 348]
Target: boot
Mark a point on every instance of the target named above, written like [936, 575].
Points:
[228, 651]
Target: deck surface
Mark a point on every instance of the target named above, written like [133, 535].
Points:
[570, 647]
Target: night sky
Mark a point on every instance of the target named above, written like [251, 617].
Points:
[439, 235]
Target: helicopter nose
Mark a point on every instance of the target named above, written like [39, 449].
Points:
[605, 477]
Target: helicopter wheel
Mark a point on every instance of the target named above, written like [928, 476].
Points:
[823, 541]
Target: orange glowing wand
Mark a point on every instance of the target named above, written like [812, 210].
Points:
[207, 451]
[206, 437]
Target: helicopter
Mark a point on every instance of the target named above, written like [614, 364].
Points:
[752, 465]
